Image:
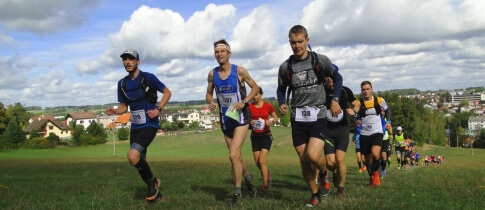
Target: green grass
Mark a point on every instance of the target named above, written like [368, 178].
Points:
[195, 174]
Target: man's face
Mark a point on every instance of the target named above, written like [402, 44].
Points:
[221, 55]
[366, 90]
[130, 63]
[299, 43]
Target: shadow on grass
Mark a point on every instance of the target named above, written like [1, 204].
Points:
[219, 193]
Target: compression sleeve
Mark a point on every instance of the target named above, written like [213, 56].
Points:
[337, 83]
[387, 114]
[280, 94]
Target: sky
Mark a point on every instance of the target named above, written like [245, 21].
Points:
[66, 52]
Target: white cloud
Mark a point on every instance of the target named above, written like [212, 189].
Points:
[6, 40]
[11, 77]
[44, 17]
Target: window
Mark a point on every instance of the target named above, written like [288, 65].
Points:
[51, 127]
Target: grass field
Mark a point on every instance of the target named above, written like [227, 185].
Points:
[195, 173]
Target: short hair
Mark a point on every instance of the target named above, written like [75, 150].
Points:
[298, 29]
[366, 83]
[260, 91]
[221, 41]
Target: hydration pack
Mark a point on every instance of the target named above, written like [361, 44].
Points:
[149, 93]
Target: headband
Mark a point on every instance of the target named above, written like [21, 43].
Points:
[223, 46]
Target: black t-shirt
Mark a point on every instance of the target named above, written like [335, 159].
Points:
[346, 98]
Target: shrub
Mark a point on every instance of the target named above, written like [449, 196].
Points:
[53, 139]
[37, 143]
[14, 133]
[123, 133]
[34, 134]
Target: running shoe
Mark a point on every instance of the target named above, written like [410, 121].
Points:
[360, 170]
[236, 199]
[264, 188]
[340, 191]
[324, 187]
[314, 201]
[383, 173]
[152, 189]
[249, 184]
[398, 167]
[364, 168]
[375, 180]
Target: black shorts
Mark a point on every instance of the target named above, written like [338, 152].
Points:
[385, 146]
[337, 139]
[261, 141]
[140, 139]
[366, 142]
[303, 131]
[357, 150]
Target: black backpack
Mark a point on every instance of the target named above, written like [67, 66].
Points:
[150, 93]
[317, 69]
[363, 108]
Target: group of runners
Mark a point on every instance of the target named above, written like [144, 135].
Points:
[319, 107]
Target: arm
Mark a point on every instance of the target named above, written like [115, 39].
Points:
[166, 96]
[209, 97]
[244, 75]
[275, 117]
[281, 92]
[337, 89]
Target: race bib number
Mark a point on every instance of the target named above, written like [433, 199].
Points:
[367, 127]
[227, 99]
[259, 125]
[138, 117]
[306, 114]
[331, 118]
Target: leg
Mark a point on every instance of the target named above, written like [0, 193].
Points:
[234, 146]
[342, 168]
[313, 151]
[263, 167]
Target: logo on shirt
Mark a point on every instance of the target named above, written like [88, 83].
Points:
[225, 88]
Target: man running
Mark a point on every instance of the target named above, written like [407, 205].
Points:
[303, 73]
[338, 133]
[261, 137]
[228, 80]
[372, 130]
[399, 141]
[138, 90]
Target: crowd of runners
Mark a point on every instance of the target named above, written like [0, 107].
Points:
[310, 89]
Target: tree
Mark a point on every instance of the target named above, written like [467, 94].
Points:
[3, 118]
[123, 133]
[53, 138]
[19, 112]
[96, 133]
[14, 133]
[78, 134]
[34, 134]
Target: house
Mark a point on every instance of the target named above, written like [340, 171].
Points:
[187, 117]
[206, 124]
[476, 123]
[105, 120]
[122, 121]
[211, 117]
[165, 115]
[80, 118]
[47, 126]
[205, 110]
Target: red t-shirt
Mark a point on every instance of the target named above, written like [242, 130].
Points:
[261, 113]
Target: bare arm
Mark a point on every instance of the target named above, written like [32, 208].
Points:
[245, 77]
[166, 96]
[209, 97]
[122, 108]
[275, 117]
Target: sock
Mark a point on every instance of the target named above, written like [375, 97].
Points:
[323, 175]
[369, 171]
[383, 164]
[144, 170]
[359, 163]
[248, 178]
[237, 190]
[398, 162]
[375, 165]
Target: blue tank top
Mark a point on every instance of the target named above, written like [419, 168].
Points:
[228, 92]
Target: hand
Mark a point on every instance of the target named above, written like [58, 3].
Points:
[358, 122]
[351, 112]
[110, 111]
[152, 114]
[212, 106]
[267, 122]
[253, 122]
[335, 108]
[238, 106]
[284, 109]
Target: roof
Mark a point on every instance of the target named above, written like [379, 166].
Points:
[124, 118]
[81, 115]
[38, 124]
[41, 117]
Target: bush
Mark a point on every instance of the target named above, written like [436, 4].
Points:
[53, 139]
[34, 134]
[123, 134]
[14, 133]
[78, 134]
[37, 143]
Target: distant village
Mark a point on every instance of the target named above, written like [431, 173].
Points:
[457, 101]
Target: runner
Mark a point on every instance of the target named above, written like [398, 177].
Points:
[385, 147]
[372, 130]
[303, 73]
[338, 133]
[138, 90]
[399, 138]
[228, 80]
[360, 157]
[261, 137]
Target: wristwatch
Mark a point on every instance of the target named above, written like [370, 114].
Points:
[335, 98]
[159, 108]
[244, 101]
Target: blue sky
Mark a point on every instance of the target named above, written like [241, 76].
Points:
[60, 52]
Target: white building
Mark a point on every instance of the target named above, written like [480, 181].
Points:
[476, 123]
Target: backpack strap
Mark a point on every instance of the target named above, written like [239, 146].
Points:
[363, 108]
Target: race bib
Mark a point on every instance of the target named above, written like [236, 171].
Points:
[227, 99]
[306, 114]
[331, 118]
[259, 125]
[138, 117]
